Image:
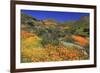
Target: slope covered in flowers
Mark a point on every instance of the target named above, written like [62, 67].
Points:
[49, 40]
[33, 51]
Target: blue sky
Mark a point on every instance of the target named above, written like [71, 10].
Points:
[58, 16]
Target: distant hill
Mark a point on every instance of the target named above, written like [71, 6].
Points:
[49, 22]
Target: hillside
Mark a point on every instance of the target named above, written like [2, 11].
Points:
[51, 36]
